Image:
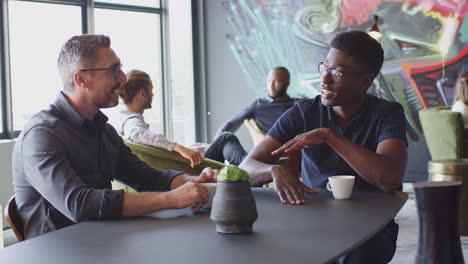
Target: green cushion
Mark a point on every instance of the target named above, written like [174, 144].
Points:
[443, 131]
[162, 159]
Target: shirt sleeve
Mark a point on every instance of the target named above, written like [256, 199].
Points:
[137, 130]
[234, 123]
[289, 125]
[49, 171]
[139, 175]
[393, 125]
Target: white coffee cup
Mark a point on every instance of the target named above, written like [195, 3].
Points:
[211, 192]
[341, 186]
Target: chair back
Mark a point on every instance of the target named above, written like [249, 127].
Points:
[255, 133]
[13, 218]
[443, 131]
[162, 159]
[292, 161]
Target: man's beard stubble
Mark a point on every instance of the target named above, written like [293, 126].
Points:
[280, 93]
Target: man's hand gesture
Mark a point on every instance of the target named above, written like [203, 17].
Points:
[304, 140]
[288, 186]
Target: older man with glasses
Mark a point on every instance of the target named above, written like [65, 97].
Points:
[342, 131]
[67, 155]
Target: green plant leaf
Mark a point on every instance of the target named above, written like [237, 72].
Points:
[233, 173]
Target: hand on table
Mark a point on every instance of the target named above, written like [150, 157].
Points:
[207, 175]
[288, 186]
[191, 193]
[190, 190]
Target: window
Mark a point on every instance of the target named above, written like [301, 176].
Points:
[34, 48]
[181, 61]
[2, 84]
[1, 101]
[146, 3]
[38, 28]
[136, 51]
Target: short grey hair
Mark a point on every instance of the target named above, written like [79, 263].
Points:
[77, 52]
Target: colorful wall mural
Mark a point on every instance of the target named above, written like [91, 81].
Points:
[425, 44]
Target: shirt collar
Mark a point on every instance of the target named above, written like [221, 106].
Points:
[271, 100]
[73, 116]
[365, 106]
[129, 113]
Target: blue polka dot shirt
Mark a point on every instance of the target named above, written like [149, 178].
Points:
[379, 120]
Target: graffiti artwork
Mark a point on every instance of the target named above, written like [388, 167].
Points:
[425, 43]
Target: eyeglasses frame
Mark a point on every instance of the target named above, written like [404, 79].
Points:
[337, 78]
[116, 68]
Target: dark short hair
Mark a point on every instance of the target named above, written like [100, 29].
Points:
[283, 69]
[362, 47]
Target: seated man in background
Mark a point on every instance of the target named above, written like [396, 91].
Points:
[67, 155]
[264, 112]
[342, 131]
[137, 95]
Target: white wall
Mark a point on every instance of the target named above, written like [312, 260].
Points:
[6, 186]
[227, 89]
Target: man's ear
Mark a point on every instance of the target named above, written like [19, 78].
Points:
[79, 78]
[142, 92]
[368, 80]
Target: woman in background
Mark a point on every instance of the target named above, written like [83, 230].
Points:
[460, 101]
[137, 95]
[460, 104]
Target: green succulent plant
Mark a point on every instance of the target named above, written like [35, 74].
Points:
[233, 173]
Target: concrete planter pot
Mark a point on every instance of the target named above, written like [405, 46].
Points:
[234, 210]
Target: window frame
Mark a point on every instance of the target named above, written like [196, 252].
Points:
[87, 22]
[5, 97]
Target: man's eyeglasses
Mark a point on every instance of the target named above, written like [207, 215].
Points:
[114, 69]
[335, 74]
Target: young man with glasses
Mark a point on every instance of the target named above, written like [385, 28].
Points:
[67, 155]
[342, 131]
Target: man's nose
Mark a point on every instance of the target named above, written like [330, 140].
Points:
[121, 77]
[326, 78]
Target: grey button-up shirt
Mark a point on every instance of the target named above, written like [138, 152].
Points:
[63, 165]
